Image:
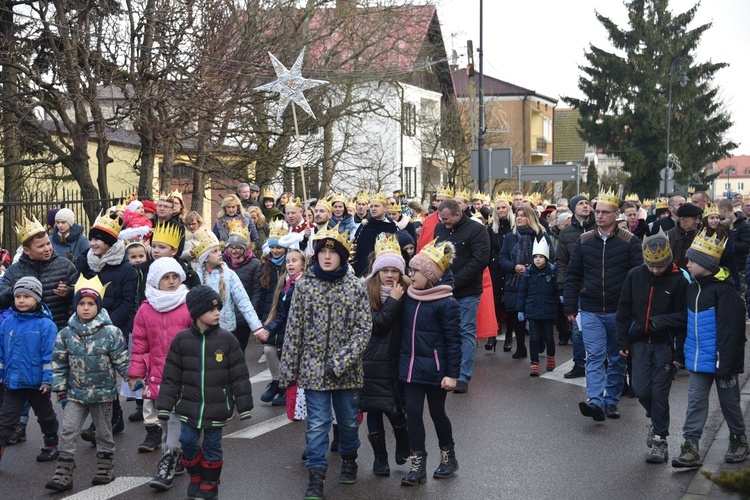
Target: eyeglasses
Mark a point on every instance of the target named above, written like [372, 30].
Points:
[411, 270]
[604, 212]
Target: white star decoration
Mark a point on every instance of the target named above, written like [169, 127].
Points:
[290, 84]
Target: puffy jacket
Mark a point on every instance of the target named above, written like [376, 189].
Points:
[87, 358]
[566, 241]
[512, 279]
[472, 255]
[329, 324]
[249, 274]
[153, 332]
[380, 361]
[120, 295]
[277, 327]
[715, 341]
[537, 293]
[430, 335]
[597, 270]
[26, 342]
[205, 378]
[236, 298]
[741, 233]
[267, 293]
[75, 244]
[652, 309]
[50, 273]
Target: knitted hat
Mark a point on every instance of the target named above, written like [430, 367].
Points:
[88, 292]
[51, 216]
[162, 266]
[201, 299]
[149, 206]
[337, 247]
[574, 201]
[689, 210]
[67, 215]
[387, 253]
[106, 228]
[135, 205]
[404, 239]
[426, 261]
[30, 286]
[656, 250]
[706, 251]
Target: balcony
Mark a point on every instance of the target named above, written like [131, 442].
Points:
[540, 146]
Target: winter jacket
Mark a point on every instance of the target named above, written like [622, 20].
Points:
[381, 391]
[346, 223]
[741, 234]
[472, 255]
[267, 293]
[537, 293]
[565, 244]
[191, 277]
[652, 308]
[50, 273]
[496, 244]
[365, 240]
[277, 327]
[205, 378]
[715, 340]
[87, 358]
[666, 224]
[680, 241]
[221, 232]
[26, 342]
[75, 244]
[597, 270]
[431, 336]
[120, 295]
[236, 298]
[329, 325]
[249, 274]
[512, 280]
[153, 332]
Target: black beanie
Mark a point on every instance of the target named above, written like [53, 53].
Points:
[202, 299]
[574, 201]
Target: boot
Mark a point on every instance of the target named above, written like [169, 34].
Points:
[349, 468]
[49, 450]
[317, 476]
[380, 465]
[210, 474]
[737, 451]
[551, 365]
[689, 456]
[165, 473]
[194, 469]
[448, 463]
[280, 399]
[271, 390]
[153, 439]
[137, 415]
[520, 347]
[104, 469]
[508, 342]
[491, 344]
[89, 434]
[659, 451]
[118, 422]
[335, 441]
[19, 434]
[62, 480]
[418, 473]
[402, 444]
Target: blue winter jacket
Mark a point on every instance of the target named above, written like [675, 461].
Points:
[512, 280]
[277, 327]
[75, 245]
[537, 293]
[26, 343]
[430, 336]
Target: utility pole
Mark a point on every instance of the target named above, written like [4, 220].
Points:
[480, 139]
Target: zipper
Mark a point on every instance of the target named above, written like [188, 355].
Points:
[226, 398]
[413, 334]
[648, 311]
[604, 298]
[437, 361]
[328, 340]
[203, 380]
[695, 327]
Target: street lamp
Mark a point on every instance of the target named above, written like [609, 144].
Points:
[683, 81]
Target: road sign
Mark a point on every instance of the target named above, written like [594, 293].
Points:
[497, 163]
[670, 174]
[549, 173]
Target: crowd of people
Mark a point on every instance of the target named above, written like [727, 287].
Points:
[364, 304]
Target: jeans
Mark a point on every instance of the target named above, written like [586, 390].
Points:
[697, 410]
[653, 372]
[600, 339]
[375, 421]
[541, 329]
[346, 405]
[468, 309]
[576, 339]
[190, 441]
[415, 396]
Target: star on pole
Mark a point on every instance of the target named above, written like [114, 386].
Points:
[290, 84]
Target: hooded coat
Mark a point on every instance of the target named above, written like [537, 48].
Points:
[26, 342]
[74, 245]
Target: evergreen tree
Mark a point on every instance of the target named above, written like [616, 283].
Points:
[592, 181]
[627, 86]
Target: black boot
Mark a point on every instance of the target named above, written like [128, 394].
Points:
[317, 476]
[89, 434]
[448, 463]
[210, 474]
[491, 344]
[194, 469]
[272, 389]
[380, 465]
[402, 444]
[335, 441]
[418, 473]
[118, 422]
[508, 342]
[349, 468]
[137, 415]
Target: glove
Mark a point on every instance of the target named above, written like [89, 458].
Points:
[521, 316]
[330, 373]
[138, 385]
[62, 397]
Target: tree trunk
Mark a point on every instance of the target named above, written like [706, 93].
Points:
[167, 166]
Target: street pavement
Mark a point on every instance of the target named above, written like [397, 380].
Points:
[517, 437]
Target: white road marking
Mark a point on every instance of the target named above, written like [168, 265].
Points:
[263, 376]
[560, 370]
[117, 487]
[259, 429]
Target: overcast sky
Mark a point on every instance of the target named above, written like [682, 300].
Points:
[539, 45]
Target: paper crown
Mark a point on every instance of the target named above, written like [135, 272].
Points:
[506, 197]
[363, 197]
[609, 198]
[129, 199]
[205, 242]
[268, 193]
[709, 245]
[108, 224]
[337, 198]
[464, 195]
[656, 254]
[94, 284]
[633, 197]
[436, 253]
[168, 233]
[541, 247]
[294, 202]
[711, 210]
[278, 229]
[394, 207]
[380, 197]
[235, 228]
[444, 192]
[176, 194]
[325, 204]
[164, 197]
[334, 234]
[691, 190]
[351, 205]
[662, 203]
[28, 229]
[386, 243]
[585, 195]
[478, 195]
[647, 202]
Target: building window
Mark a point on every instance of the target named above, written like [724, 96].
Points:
[727, 186]
[741, 186]
[409, 119]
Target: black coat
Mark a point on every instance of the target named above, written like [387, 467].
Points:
[512, 280]
[205, 388]
[496, 244]
[472, 254]
[277, 327]
[680, 241]
[381, 390]
[741, 234]
[365, 240]
[249, 274]
[267, 293]
[191, 277]
[566, 241]
[120, 295]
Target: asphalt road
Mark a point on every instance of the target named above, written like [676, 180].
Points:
[516, 437]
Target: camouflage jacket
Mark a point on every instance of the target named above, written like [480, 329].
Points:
[329, 324]
[86, 357]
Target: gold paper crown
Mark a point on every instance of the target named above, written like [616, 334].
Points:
[464, 195]
[585, 195]
[394, 207]
[647, 202]
[662, 203]
[294, 202]
[363, 197]
[661, 252]
[108, 224]
[168, 233]
[386, 243]
[94, 284]
[326, 204]
[478, 195]
[236, 229]
[506, 197]
[129, 199]
[710, 210]
[436, 253]
[351, 206]
[709, 245]
[334, 234]
[175, 194]
[691, 190]
[28, 229]
[204, 243]
[445, 192]
[379, 197]
[164, 197]
[268, 193]
[633, 197]
[609, 198]
[337, 198]
[278, 229]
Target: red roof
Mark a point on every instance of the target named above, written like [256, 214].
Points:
[740, 163]
[491, 86]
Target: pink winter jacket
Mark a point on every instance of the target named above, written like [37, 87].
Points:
[152, 336]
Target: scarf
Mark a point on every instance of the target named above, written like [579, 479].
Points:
[429, 294]
[521, 252]
[114, 257]
[236, 263]
[385, 291]
[163, 301]
[291, 280]
[278, 261]
[330, 275]
[402, 223]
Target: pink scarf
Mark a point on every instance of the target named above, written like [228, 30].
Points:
[430, 294]
[290, 280]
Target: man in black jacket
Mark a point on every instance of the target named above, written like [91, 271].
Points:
[667, 223]
[741, 235]
[472, 255]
